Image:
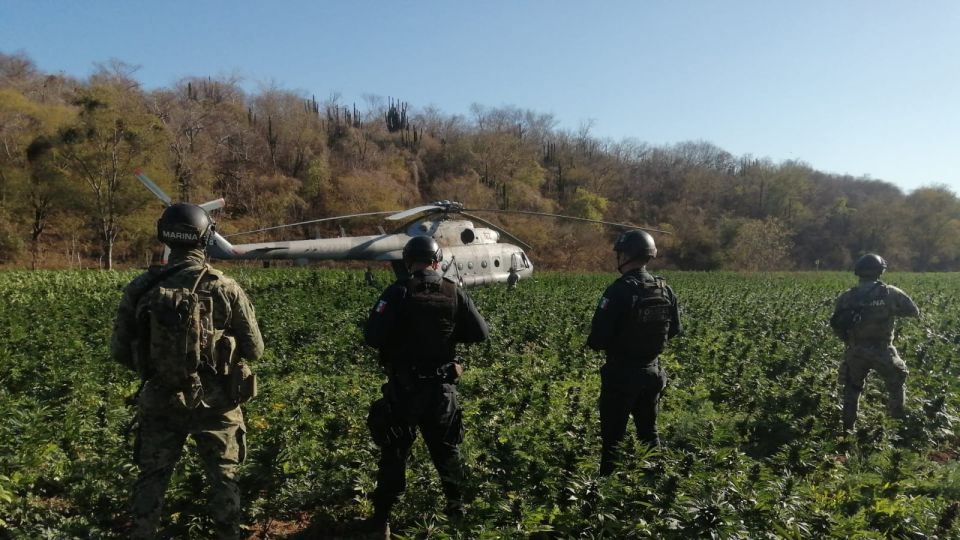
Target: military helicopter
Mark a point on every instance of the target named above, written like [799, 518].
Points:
[472, 255]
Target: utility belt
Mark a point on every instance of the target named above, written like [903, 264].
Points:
[869, 344]
[639, 360]
[445, 373]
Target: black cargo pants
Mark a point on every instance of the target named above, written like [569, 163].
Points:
[628, 387]
[430, 406]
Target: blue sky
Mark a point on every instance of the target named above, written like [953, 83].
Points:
[851, 87]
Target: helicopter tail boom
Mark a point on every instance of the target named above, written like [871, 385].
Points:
[377, 247]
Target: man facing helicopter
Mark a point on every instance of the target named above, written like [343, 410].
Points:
[187, 328]
[416, 324]
[635, 317]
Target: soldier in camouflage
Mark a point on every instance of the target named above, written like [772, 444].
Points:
[208, 407]
[416, 324]
[636, 316]
[864, 319]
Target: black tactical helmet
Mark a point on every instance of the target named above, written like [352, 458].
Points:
[636, 243]
[422, 249]
[184, 225]
[870, 264]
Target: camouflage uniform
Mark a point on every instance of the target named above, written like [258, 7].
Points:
[869, 344]
[631, 380]
[164, 416]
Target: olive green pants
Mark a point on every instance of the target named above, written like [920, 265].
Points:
[220, 441]
[858, 361]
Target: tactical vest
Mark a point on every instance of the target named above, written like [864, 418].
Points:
[644, 332]
[874, 321]
[428, 320]
[181, 335]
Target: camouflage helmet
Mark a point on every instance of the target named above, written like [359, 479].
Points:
[184, 225]
[635, 244]
[422, 249]
[870, 264]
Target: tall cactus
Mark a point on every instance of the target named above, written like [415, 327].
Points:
[396, 116]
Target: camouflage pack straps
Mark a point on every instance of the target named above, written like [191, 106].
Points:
[203, 272]
[157, 278]
[178, 335]
[846, 317]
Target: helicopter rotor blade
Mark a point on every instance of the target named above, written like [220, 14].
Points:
[502, 231]
[310, 221]
[154, 188]
[573, 218]
[215, 204]
[413, 211]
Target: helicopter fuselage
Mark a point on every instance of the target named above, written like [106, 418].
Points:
[473, 255]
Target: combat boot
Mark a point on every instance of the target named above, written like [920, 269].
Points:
[225, 531]
[455, 513]
[373, 527]
[376, 526]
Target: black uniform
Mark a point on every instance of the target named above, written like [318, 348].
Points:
[416, 325]
[636, 316]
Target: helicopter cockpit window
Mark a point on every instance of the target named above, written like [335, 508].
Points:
[526, 263]
[467, 236]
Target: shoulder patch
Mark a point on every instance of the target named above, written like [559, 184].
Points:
[604, 302]
[381, 307]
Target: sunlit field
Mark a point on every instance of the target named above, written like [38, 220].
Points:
[750, 419]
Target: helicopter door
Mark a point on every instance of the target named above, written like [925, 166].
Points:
[518, 261]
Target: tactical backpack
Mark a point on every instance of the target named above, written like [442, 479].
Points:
[648, 323]
[428, 320]
[181, 334]
[846, 318]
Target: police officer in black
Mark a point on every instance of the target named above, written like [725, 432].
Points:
[416, 324]
[636, 316]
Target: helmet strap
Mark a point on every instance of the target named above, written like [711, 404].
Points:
[413, 266]
[628, 264]
[207, 235]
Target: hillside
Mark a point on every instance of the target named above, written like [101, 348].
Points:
[68, 198]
